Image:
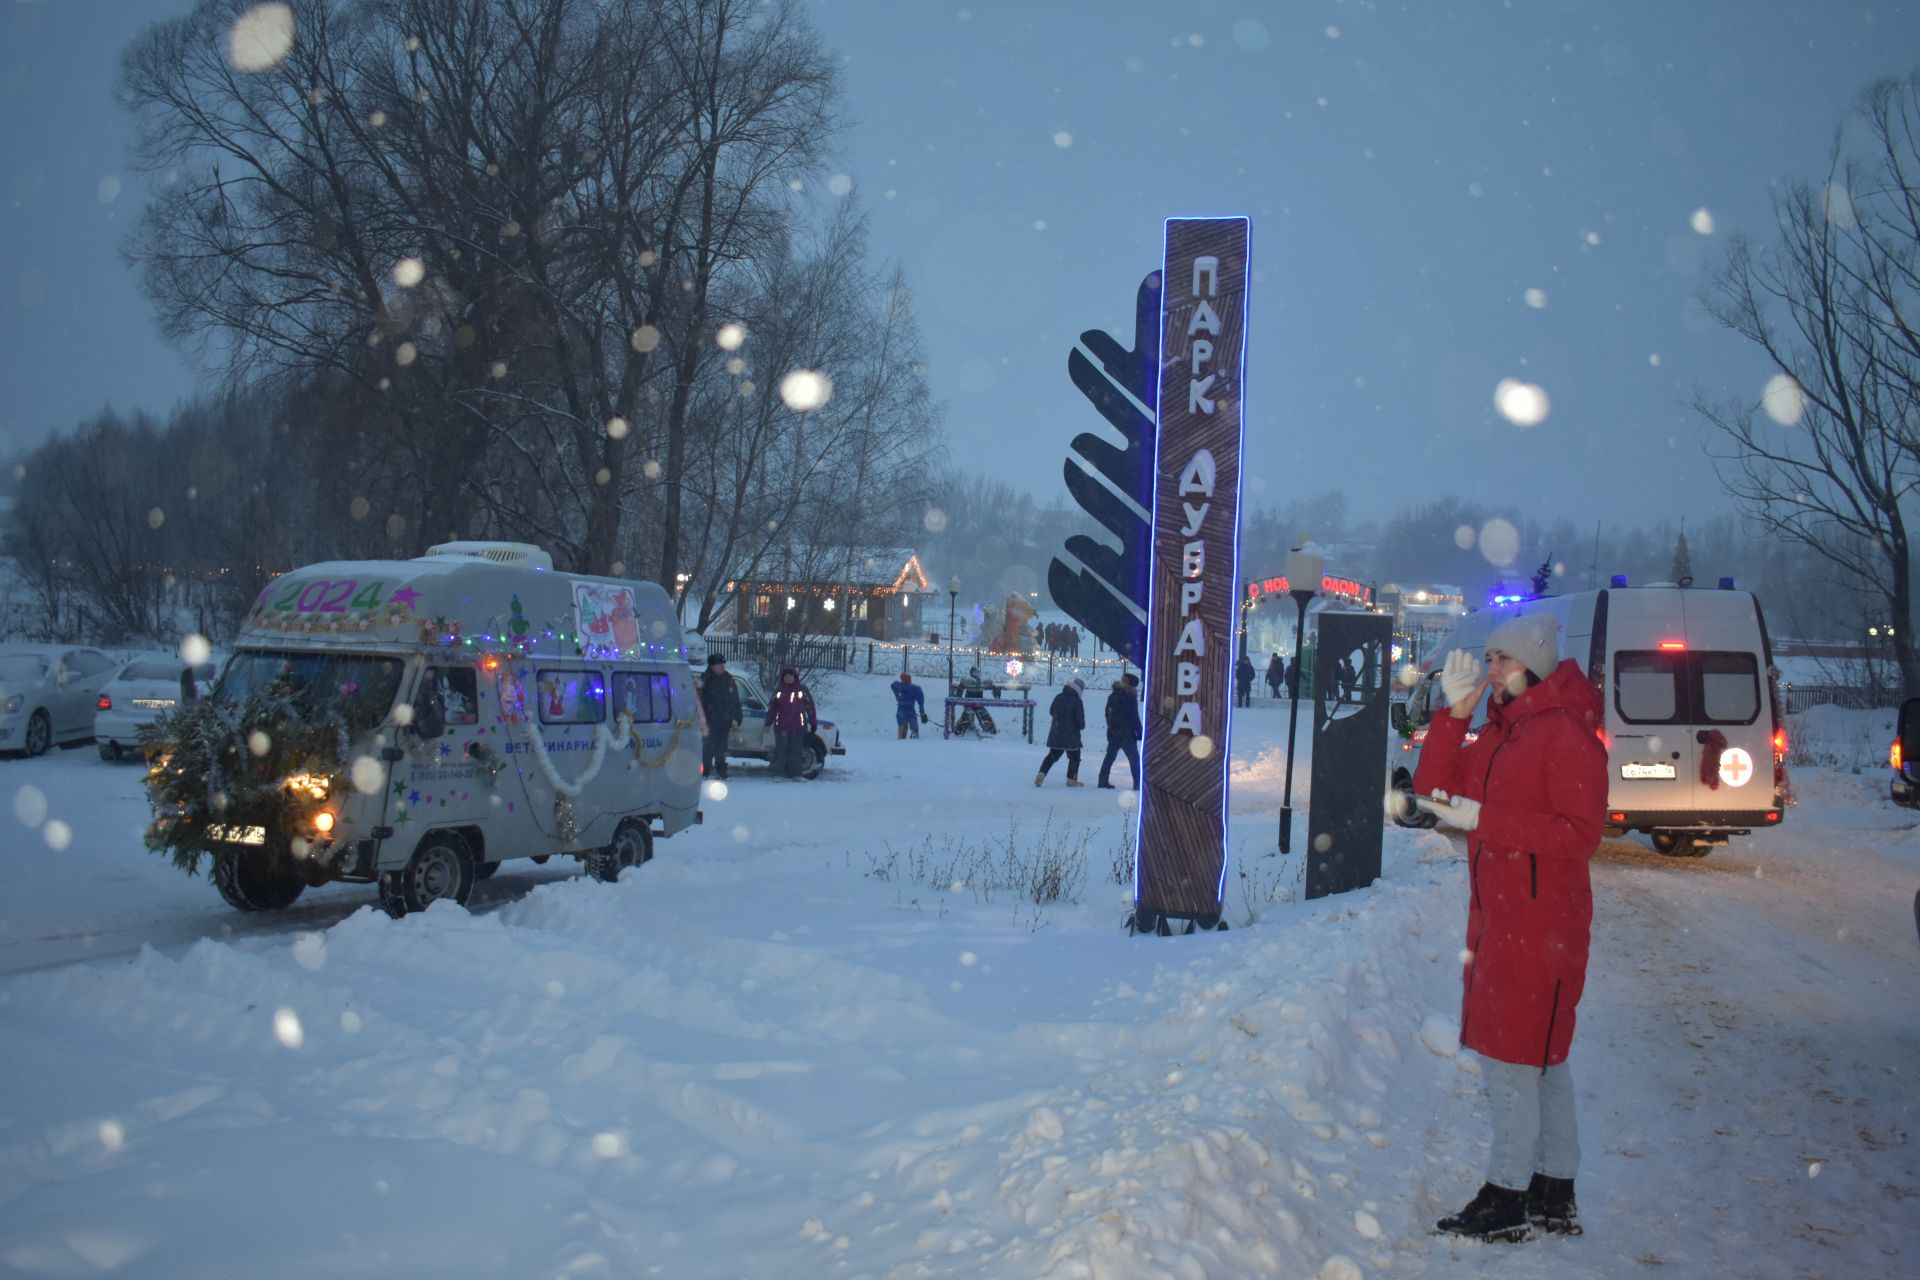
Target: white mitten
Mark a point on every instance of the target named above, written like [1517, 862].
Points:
[1457, 811]
[1459, 677]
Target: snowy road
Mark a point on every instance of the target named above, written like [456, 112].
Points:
[790, 1046]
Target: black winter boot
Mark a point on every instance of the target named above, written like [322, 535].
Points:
[1496, 1213]
[1550, 1205]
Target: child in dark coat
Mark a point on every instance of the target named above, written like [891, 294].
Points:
[1063, 737]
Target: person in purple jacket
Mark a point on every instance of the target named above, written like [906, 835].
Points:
[791, 717]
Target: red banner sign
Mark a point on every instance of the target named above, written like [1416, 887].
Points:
[1329, 585]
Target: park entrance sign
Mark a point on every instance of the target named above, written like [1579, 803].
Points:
[1168, 598]
[1193, 606]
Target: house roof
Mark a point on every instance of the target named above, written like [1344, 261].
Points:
[888, 569]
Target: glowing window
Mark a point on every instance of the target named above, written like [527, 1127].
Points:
[570, 697]
[647, 696]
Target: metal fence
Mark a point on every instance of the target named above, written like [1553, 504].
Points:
[928, 661]
[767, 654]
[1798, 697]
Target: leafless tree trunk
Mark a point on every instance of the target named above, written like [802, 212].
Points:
[1830, 459]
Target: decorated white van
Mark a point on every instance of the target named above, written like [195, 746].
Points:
[415, 723]
[1696, 748]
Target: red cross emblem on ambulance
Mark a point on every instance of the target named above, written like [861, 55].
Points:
[1736, 766]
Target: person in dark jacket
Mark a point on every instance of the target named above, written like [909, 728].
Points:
[1243, 682]
[791, 717]
[1123, 730]
[1063, 736]
[1293, 678]
[720, 699]
[1530, 791]
[909, 705]
[1276, 676]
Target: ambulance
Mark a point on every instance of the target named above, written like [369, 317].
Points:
[496, 709]
[1696, 746]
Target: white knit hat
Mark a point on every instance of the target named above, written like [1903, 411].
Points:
[1533, 638]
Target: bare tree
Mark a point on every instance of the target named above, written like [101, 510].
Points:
[498, 230]
[1829, 457]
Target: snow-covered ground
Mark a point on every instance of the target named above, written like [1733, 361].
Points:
[793, 1045]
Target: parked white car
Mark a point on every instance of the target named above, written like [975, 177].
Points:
[47, 695]
[753, 740]
[136, 696]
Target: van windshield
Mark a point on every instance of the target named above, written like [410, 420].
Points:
[360, 687]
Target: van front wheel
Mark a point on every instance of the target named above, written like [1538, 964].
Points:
[254, 882]
[632, 845]
[442, 867]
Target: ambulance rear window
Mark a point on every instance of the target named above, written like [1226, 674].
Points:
[1647, 686]
[1683, 687]
[571, 697]
[1729, 687]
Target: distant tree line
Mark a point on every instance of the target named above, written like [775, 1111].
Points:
[534, 270]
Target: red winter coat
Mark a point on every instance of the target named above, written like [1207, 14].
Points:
[1539, 771]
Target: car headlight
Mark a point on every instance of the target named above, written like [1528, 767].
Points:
[13, 704]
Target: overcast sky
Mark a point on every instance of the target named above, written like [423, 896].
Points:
[1443, 196]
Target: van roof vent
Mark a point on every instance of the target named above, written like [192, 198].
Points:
[517, 553]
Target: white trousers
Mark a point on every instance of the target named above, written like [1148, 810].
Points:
[1534, 1126]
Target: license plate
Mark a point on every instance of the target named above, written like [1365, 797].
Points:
[237, 835]
[153, 704]
[1635, 769]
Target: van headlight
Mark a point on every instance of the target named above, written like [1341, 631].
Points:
[315, 785]
[13, 704]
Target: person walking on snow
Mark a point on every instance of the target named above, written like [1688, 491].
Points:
[910, 705]
[1531, 793]
[720, 700]
[1276, 676]
[1123, 730]
[791, 717]
[1243, 682]
[1063, 735]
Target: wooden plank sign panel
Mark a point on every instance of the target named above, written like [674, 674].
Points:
[1191, 613]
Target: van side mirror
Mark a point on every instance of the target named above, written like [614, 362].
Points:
[1910, 729]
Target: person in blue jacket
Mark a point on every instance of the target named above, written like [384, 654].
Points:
[910, 705]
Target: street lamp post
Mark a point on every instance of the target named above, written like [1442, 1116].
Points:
[1303, 580]
[953, 605]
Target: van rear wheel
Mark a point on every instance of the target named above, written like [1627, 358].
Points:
[442, 867]
[632, 845]
[1677, 844]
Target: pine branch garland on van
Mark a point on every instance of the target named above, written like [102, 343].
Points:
[266, 761]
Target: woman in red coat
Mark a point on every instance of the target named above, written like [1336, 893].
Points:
[1531, 792]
